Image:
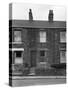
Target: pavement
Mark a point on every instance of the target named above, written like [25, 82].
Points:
[37, 80]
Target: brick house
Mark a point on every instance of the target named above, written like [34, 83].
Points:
[37, 43]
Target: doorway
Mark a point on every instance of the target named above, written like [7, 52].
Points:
[33, 58]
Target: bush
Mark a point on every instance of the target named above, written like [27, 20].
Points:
[40, 71]
[25, 71]
[26, 65]
[18, 67]
[60, 69]
[50, 72]
[59, 66]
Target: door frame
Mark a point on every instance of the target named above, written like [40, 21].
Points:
[35, 58]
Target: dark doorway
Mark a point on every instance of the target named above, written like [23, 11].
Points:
[33, 58]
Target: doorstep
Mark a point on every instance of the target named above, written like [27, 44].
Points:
[37, 77]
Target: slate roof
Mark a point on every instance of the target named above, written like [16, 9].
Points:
[38, 24]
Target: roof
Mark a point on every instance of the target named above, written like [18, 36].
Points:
[38, 24]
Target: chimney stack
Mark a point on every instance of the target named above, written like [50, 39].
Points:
[50, 16]
[30, 15]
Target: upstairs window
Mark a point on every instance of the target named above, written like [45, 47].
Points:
[17, 36]
[42, 37]
[62, 37]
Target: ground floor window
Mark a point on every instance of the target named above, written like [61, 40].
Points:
[43, 56]
[18, 57]
[62, 56]
[42, 53]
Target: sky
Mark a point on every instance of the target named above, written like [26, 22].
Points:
[40, 12]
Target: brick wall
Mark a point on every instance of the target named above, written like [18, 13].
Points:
[30, 41]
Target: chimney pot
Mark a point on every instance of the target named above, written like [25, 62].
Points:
[50, 16]
[30, 15]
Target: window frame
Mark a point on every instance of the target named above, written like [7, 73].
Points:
[43, 41]
[42, 53]
[22, 53]
[17, 42]
[64, 41]
[62, 56]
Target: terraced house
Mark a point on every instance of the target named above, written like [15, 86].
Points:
[35, 44]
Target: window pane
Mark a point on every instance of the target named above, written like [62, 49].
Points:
[62, 36]
[42, 53]
[18, 57]
[42, 36]
[62, 56]
[18, 53]
[17, 36]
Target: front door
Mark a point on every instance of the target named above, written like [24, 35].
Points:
[33, 58]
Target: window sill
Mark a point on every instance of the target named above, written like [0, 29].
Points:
[16, 42]
[17, 49]
[63, 42]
